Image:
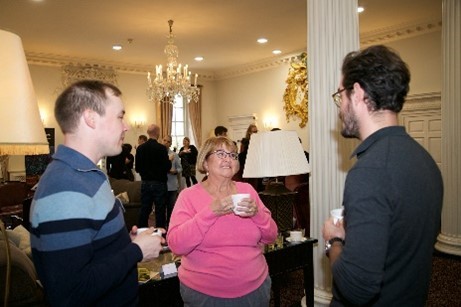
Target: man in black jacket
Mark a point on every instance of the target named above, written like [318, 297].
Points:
[153, 164]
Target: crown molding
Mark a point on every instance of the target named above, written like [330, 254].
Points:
[401, 31]
[261, 65]
[380, 36]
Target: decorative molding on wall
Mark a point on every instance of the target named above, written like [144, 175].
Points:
[398, 32]
[261, 65]
[240, 118]
[381, 36]
[423, 102]
[73, 73]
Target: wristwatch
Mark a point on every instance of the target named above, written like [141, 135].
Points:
[330, 242]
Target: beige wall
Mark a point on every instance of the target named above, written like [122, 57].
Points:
[260, 93]
[423, 55]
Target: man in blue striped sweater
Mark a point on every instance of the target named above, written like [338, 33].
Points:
[82, 252]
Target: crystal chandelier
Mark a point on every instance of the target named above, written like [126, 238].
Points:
[176, 80]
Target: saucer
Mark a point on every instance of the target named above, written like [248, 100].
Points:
[302, 240]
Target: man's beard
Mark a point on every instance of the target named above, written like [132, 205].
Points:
[350, 123]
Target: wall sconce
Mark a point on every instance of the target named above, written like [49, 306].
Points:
[43, 117]
[269, 123]
[138, 124]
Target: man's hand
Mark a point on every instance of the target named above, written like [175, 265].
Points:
[149, 241]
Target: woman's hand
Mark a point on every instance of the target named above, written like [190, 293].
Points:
[222, 206]
[246, 208]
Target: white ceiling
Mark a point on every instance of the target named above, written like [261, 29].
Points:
[224, 32]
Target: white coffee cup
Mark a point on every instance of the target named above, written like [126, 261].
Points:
[296, 236]
[337, 214]
[156, 232]
[236, 199]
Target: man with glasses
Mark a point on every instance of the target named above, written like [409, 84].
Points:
[381, 253]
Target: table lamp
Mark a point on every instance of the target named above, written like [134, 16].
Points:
[21, 129]
[276, 154]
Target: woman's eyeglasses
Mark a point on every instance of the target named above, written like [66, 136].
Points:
[221, 154]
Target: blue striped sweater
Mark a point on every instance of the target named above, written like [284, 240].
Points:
[81, 249]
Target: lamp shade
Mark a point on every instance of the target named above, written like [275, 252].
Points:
[21, 129]
[274, 154]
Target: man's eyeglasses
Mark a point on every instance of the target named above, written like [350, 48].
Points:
[337, 97]
[221, 154]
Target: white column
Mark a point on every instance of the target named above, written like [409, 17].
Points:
[333, 31]
[449, 241]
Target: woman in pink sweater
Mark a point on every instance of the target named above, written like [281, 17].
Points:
[222, 260]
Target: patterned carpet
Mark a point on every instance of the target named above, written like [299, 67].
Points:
[444, 291]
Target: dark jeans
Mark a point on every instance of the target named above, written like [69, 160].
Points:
[188, 179]
[170, 201]
[153, 193]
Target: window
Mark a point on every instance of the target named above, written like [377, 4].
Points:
[178, 123]
[180, 126]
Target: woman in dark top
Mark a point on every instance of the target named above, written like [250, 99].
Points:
[188, 154]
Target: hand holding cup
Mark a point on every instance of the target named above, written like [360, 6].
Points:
[337, 215]
[243, 205]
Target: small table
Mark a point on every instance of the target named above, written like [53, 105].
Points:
[291, 257]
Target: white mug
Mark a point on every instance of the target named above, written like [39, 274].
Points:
[236, 198]
[337, 214]
[296, 236]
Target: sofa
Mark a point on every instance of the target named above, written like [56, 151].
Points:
[133, 193]
[24, 289]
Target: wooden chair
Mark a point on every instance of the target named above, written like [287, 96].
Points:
[12, 194]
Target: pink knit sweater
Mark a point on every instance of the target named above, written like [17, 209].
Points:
[221, 255]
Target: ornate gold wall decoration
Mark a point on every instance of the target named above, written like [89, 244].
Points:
[295, 96]
[74, 73]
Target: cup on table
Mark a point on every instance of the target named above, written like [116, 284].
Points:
[156, 232]
[296, 236]
[337, 214]
[236, 199]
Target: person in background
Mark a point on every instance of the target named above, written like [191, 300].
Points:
[153, 165]
[188, 154]
[252, 128]
[115, 165]
[381, 254]
[257, 183]
[305, 152]
[222, 260]
[173, 183]
[82, 252]
[220, 131]
[142, 139]
[129, 162]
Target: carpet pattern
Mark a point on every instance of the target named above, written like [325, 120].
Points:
[444, 290]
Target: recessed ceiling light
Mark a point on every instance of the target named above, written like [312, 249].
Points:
[360, 9]
[117, 47]
[276, 51]
[262, 40]
[198, 58]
